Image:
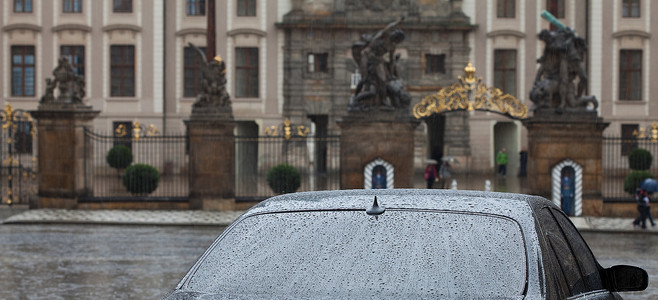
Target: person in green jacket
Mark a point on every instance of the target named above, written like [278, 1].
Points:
[501, 160]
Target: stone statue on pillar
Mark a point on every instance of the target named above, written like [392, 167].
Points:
[561, 80]
[213, 97]
[70, 85]
[380, 87]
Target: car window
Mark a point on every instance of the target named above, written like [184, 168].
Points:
[577, 270]
[348, 254]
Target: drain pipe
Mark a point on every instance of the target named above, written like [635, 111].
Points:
[164, 65]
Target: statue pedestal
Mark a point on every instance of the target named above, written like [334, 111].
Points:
[62, 153]
[566, 139]
[212, 162]
[369, 136]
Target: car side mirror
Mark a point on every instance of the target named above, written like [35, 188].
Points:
[626, 278]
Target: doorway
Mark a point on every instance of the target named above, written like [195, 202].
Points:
[506, 136]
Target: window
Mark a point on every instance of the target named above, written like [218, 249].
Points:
[556, 8]
[435, 63]
[123, 6]
[506, 8]
[122, 71]
[23, 6]
[505, 71]
[196, 7]
[246, 72]
[574, 270]
[192, 71]
[317, 63]
[630, 9]
[72, 6]
[247, 8]
[630, 75]
[22, 71]
[629, 137]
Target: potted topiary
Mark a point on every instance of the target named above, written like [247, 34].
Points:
[634, 180]
[119, 157]
[284, 179]
[639, 160]
[141, 179]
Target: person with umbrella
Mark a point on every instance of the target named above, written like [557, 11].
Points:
[642, 195]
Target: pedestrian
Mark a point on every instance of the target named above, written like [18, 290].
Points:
[501, 160]
[642, 198]
[444, 175]
[430, 175]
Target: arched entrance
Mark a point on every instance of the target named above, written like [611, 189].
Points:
[469, 94]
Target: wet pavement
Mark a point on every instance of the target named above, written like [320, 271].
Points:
[97, 262]
[224, 218]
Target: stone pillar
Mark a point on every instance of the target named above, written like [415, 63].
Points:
[367, 136]
[212, 163]
[62, 153]
[553, 138]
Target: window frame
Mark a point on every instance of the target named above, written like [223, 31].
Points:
[189, 57]
[23, 51]
[195, 8]
[24, 6]
[506, 9]
[125, 6]
[317, 62]
[72, 6]
[627, 8]
[435, 63]
[557, 8]
[249, 67]
[626, 72]
[501, 72]
[124, 85]
[249, 8]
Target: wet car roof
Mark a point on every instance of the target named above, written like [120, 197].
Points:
[506, 204]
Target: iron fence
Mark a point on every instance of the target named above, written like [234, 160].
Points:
[616, 165]
[316, 158]
[168, 154]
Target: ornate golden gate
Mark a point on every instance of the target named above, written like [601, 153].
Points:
[18, 153]
[468, 94]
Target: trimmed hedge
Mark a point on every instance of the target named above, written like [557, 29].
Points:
[640, 159]
[634, 180]
[141, 179]
[119, 157]
[284, 179]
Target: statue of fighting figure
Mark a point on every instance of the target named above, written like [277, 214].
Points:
[213, 96]
[70, 85]
[380, 86]
[561, 80]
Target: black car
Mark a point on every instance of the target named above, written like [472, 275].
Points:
[404, 244]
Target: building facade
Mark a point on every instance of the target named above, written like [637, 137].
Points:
[292, 59]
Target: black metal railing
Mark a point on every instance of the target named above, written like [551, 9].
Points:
[168, 154]
[616, 165]
[316, 158]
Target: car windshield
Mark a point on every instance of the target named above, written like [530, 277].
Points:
[349, 254]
